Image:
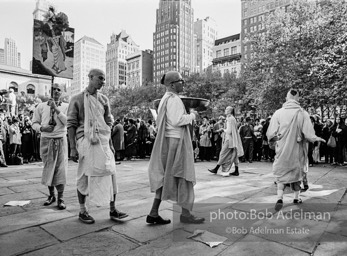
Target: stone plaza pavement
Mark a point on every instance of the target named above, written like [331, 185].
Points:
[38, 230]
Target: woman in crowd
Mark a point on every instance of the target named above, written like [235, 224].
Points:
[205, 140]
[339, 131]
[328, 152]
[27, 141]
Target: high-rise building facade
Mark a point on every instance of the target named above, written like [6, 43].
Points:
[252, 20]
[88, 54]
[227, 55]
[206, 33]
[2, 56]
[173, 39]
[140, 68]
[118, 49]
[11, 53]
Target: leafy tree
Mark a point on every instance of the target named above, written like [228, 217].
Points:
[303, 47]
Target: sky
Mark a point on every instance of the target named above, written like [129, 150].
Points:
[100, 18]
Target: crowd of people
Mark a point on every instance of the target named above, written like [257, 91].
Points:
[209, 134]
[133, 139]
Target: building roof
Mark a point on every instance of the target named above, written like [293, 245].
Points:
[20, 71]
[226, 39]
[90, 39]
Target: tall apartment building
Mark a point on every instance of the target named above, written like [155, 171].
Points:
[10, 53]
[227, 55]
[206, 33]
[252, 20]
[88, 54]
[118, 49]
[173, 39]
[140, 68]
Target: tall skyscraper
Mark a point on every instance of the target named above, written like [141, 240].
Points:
[252, 20]
[118, 49]
[88, 54]
[173, 39]
[11, 53]
[206, 33]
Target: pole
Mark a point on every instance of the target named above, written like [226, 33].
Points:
[52, 86]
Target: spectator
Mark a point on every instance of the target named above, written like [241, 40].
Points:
[339, 131]
[2, 139]
[27, 141]
[117, 136]
[131, 140]
[15, 140]
[142, 138]
[205, 140]
[217, 133]
[247, 134]
[258, 128]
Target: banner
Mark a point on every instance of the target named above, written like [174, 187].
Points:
[53, 45]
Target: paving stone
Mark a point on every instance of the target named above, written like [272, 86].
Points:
[25, 240]
[6, 191]
[95, 244]
[254, 246]
[139, 230]
[28, 195]
[29, 219]
[293, 230]
[332, 245]
[167, 246]
[338, 223]
[5, 211]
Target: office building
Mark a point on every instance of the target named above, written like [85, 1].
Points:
[88, 54]
[227, 55]
[2, 56]
[11, 55]
[140, 68]
[118, 49]
[173, 39]
[252, 20]
[206, 34]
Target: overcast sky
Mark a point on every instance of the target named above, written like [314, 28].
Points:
[100, 18]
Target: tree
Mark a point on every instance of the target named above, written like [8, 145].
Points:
[303, 47]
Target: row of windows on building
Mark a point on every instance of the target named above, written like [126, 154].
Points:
[254, 28]
[133, 65]
[262, 8]
[226, 52]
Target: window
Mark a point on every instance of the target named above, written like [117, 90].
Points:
[226, 52]
[30, 89]
[218, 54]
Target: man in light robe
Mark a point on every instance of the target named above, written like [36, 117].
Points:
[232, 147]
[53, 144]
[171, 167]
[89, 125]
[292, 129]
[12, 102]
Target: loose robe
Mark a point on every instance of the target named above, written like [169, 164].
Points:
[96, 173]
[232, 145]
[172, 162]
[293, 127]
